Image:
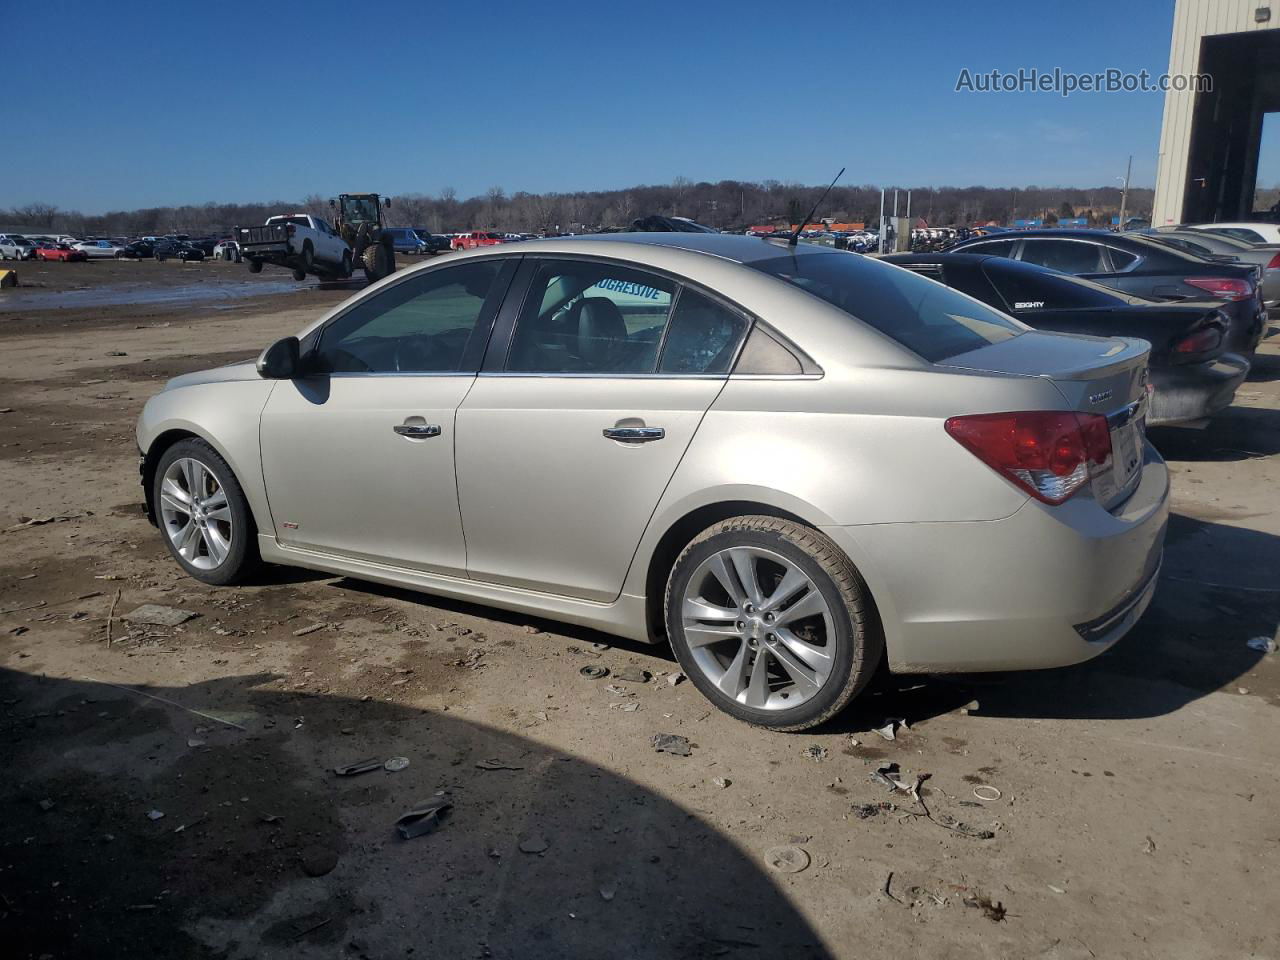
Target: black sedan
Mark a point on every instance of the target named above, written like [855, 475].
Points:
[1192, 372]
[137, 250]
[177, 250]
[434, 242]
[1140, 265]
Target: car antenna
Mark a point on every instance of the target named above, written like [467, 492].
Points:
[795, 237]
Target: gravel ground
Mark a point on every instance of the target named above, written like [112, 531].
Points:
[170, 790]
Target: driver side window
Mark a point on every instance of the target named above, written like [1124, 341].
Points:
[421, 325]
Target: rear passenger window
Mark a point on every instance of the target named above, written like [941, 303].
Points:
[581, 317]
[1069, 256]
[992, 248]
[703, 336]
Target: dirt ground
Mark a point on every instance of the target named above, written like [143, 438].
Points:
[170, 792]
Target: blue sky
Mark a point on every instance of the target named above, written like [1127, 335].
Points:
[126, 105]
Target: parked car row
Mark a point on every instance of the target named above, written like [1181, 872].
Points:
[419, 241]
[1201, 298]
[1141, 265]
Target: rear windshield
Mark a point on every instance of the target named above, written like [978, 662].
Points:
[926, 317]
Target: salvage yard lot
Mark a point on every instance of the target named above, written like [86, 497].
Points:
[1136, 816]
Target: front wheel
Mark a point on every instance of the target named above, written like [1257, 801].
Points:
[346, 264]
[378, 262]
[771, 622]
[203, 514]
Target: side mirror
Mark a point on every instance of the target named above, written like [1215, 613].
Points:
[280, 361]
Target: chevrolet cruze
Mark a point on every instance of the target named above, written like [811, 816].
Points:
[788, 462]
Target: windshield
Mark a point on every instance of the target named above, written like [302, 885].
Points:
[927, 318]
[359, 209]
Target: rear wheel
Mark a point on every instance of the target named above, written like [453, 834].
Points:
[771, 622]
[299, 275]
[308, 258]
[255, 266]
[203, 514]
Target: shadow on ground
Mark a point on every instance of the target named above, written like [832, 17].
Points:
[1217, 590]
[90, 870]
[1237, 433]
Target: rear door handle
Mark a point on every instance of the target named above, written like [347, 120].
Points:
[634, 434]
[417, 431]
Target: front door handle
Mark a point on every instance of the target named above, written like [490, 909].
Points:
[417, 431]
[635, 434]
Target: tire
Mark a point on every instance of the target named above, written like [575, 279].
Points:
[237, 534]
[308, 258]
[377, 264]
[255, 266]
[852, 643]
[299, 274]
[346, 264]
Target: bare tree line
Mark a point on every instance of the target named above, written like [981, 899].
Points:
[728, 204]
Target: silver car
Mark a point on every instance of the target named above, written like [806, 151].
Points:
[14, 246]
[789, 463]
[97, 249]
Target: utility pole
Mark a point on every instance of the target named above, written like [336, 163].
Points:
[1124, 194]
[881, 249]
[895, 221]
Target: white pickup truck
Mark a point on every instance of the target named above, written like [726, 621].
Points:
[298, 241]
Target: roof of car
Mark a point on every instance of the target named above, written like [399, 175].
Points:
[1247, 224]
[1059, 232]
[727, 246]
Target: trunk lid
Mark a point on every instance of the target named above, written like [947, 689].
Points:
[1094, 375]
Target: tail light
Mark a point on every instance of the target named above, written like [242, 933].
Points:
[1223, 288]
[1199, 341]
[1048, 454]
[1274, 262]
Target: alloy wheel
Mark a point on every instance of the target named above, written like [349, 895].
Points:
[758, 628]
[196, 514]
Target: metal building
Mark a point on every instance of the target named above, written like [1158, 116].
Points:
[1209, 139]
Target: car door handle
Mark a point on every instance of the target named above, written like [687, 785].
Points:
[417, 431]
[634, 434]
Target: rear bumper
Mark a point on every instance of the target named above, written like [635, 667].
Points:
[1045, 587]
[1195, 391]
[267, 251]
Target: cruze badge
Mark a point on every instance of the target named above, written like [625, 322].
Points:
[1099, 397]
